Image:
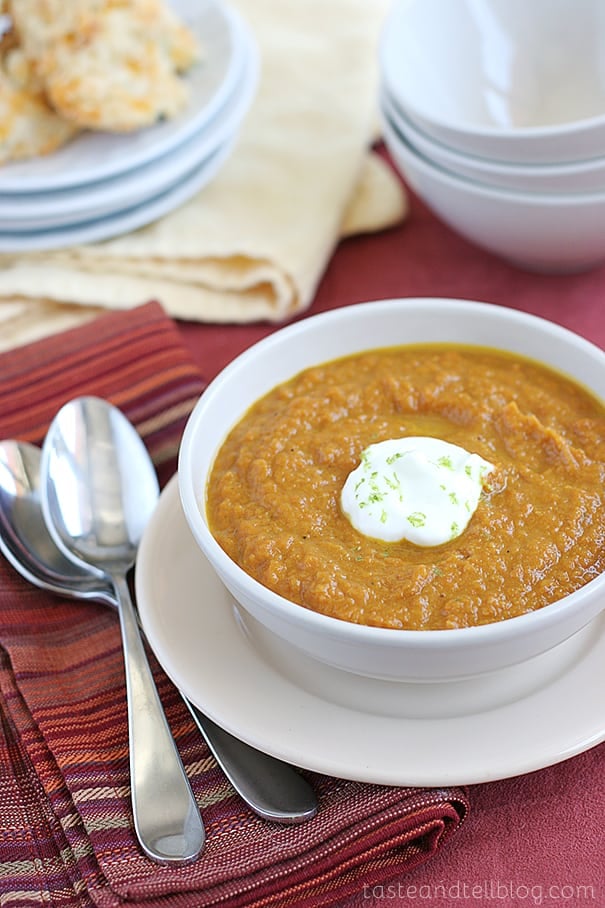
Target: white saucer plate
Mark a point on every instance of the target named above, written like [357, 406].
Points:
[49, 210]
[320, 718]
[94, 156]
[123, 221]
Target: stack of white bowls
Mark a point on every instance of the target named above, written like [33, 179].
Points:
[101, 184]
[494, 111]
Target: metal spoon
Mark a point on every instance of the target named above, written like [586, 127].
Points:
[98, 489]
[272, 788]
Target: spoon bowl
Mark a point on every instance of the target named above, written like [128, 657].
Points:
[101, 487]
[24, 538]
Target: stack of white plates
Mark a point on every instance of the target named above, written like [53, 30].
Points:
[101, 185]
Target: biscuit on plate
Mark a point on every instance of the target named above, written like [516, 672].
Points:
[107, 64]
[28, 125]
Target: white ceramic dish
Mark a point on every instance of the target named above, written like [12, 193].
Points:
[334, 722]
[547, 232]
[123, 221]
[96, 156]
[48, 210]
[578, 176]
[373, 651]
[503, 79]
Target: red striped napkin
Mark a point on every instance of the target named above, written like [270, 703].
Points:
[66, 835]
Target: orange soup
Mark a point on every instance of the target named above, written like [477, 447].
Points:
[538, 531]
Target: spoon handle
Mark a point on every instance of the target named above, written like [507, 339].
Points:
[166, 816]
[272, 788]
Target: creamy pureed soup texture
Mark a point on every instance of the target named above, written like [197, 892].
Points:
[421, 487]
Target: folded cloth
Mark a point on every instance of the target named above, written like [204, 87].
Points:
[66, 834]
[253, 244]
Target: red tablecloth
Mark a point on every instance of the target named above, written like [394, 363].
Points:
[537, 839]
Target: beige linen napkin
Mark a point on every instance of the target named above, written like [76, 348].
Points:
[253, 244]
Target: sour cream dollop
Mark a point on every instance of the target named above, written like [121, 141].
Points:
[421, 489]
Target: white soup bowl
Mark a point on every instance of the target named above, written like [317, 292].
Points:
[511, 80]
[396, 655]
[548, 232]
